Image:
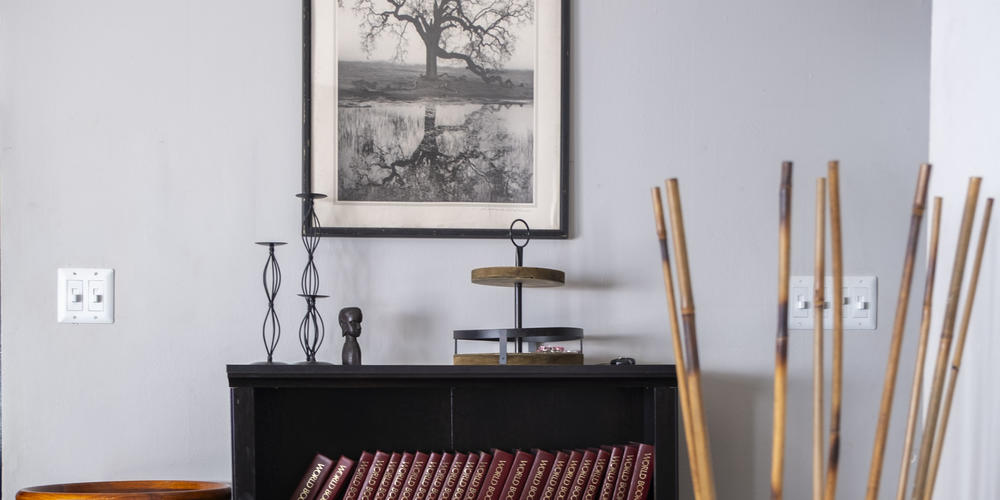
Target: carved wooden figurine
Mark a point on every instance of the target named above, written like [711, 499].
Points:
[350, 324]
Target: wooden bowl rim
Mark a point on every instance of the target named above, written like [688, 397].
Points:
[157, 486]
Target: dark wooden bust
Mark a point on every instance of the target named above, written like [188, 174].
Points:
[350, 325]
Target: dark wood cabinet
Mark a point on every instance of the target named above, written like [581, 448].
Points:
[283, 414]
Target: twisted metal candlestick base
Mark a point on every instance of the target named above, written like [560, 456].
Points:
[312, 330]
[271, 329]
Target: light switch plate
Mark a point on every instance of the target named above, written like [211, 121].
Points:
[85, 295]
[859, 309]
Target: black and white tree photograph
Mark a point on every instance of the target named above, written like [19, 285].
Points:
[436, 117]
[435, 100]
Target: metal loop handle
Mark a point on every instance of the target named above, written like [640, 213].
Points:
[527, 231]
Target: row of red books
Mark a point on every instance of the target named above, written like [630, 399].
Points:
[610, 472]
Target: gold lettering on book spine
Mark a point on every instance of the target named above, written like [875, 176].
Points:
[642, 476]
[627, 463]
[577, 489]
[491, 488]
[355, 486]
[609, 486]
[376, 473]
[595, 481]
[397, 484]
[313, 476]
[411, 480]
[338, 474]
[516, 480]
[425, 486]
[557, 470]
[538, 478]
[563, 490]
[475, 482]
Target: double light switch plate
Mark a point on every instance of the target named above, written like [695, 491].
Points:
[85, 295]
[859, 308]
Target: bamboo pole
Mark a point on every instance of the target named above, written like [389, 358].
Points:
[703, 453]
[947, 330]
[836, 250]
[675, 330]
[956, 363]
[918, 370]
[896, 344]
[781, 342]
[819, 273]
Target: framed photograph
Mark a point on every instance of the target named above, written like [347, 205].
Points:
[443, 118]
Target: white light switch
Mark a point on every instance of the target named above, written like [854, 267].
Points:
[74, 295]
[858, 308]
[86, 295]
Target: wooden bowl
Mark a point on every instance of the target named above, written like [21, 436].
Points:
[128, 490]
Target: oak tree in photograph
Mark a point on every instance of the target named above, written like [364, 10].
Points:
[477, 33]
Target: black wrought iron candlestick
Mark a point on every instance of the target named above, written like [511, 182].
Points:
[311, 329]
[271, 329]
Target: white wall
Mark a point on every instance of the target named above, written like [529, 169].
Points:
[965, 125]
[161, 138]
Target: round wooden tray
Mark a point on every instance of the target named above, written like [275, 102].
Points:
[128, 490]
[531, 277]
[527, 358]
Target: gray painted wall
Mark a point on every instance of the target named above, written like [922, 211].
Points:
[161, 138]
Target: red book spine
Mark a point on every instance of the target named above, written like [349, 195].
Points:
[358, 479]
[597, 475]
[337, 479]
[496, 475]
[519, 469]
[412, 480]
[427, 477]
[537, 475]
[555, 475]
[566, 483]
[442, 472]
[313, 479]
[611, 477]
[642, 473]
[387, 476]
[396, 485]
[582, 475]
[463, 479]
[374, 477]
[451, 479]
[476, 483]
[625, 476]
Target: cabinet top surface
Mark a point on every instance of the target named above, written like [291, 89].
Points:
[241, 375]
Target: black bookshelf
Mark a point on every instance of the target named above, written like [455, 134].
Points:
[283, 414]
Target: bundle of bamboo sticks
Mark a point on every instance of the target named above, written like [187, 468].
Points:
[824, 488]
[686, 350]
[825, 468]
[824, 471]
[933, 436]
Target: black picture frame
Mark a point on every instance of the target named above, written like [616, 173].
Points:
[561, 233]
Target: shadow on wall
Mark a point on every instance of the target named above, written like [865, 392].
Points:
[731, 425]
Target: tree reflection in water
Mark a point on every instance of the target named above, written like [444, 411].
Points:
[477, 160]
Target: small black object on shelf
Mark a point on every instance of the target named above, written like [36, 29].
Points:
[311, 328]
[271, 329]
[519, 277]
[622, 362]
[350, 326]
